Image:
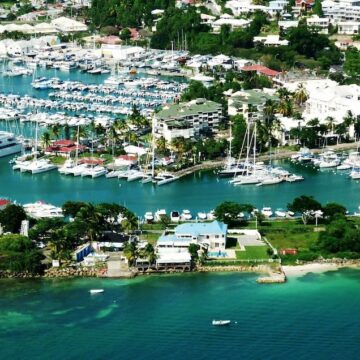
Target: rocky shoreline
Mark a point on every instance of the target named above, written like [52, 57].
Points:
[270, 274]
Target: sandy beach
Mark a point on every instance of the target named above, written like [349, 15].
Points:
[297, 270]
[311, 268]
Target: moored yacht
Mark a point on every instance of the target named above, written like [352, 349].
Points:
[164, 178]
[9, 144]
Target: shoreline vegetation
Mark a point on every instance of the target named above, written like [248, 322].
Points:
[267, 274]
[321, 237]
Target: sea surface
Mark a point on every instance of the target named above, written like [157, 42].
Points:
[315, 316]
[201, 191]
[197, 192]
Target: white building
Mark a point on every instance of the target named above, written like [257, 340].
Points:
[187, 120]
[328, 99]
[239, 7]
[119, 52]
[348, 27]
[67, 25]
[271, 40]
[233, 23]
[320, 23]
[209, 235]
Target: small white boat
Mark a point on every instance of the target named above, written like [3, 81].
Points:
[221, 322]
[201, 215]
[96, 291]
[343, 167]
[267, 212]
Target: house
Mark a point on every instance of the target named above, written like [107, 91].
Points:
[348, 27]
[288, 251]
[287, 24]
[67, 25]
[111, 240]
[81, 252]
[271, 40]
[261, 70]
[125, 160]
[321, 23]
[187, 120]
[233, 23]
[211, 236]
[277, 7]
[239, 7]
[65, 148]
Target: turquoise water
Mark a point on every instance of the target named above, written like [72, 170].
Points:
[169, 317]
[198, 192]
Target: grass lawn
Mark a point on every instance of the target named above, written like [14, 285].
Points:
[151, 238]
[287, 239]
[252, 253]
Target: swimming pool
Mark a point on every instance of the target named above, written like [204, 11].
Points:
[218, 254]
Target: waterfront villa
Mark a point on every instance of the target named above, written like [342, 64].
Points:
[211, 236]
[187, 120]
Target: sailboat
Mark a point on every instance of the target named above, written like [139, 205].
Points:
[232, 168]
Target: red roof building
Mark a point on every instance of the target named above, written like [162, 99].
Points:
[288, 251]
[64, 148]
[3, 203]
[261, 70]
[305, 4]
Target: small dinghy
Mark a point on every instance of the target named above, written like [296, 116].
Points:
[96, 291]
[221, 322]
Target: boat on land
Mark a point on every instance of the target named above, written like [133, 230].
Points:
[221, 322]
[96, 291]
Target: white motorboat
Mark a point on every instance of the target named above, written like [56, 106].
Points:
[294, 178]
[69, 164]
[112, 174]
[201, 215]
[165, 178]
[94, 171]
[355, 174]
[79, 169]
[246, 180]
[270, 181]
[96, 291]
[186, 215]
[41, 210]
[135, 175]
[221, 322]
[175, 216]
[267, 212]
[159, 214]
[343, 167]
[149, 216]
[280, 213]
[9, 144]
[38, 166]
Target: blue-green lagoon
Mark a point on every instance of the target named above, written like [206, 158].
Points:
[315, 316]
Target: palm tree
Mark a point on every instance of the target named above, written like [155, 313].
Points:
[46, 139]
[149, 254]
[285, 107]
[93, 218]
[330, 121]
[300, 95]
[56, 131]
[284, 94]
[161, 145]
[131, 252]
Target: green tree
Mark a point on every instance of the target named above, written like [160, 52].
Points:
[131, 253]
[11, 218]
[232, 213]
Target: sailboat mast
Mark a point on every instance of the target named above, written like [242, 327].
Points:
[230, 142]
[153, 148]
[254, 146]
[77, 145]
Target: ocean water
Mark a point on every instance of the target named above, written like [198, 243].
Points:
[315, 316]
[198, 192]
[201, 191]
